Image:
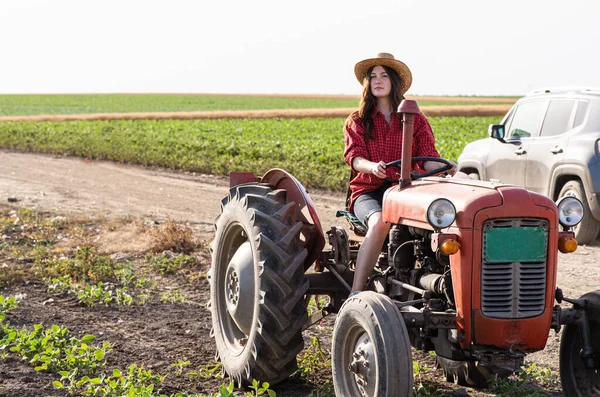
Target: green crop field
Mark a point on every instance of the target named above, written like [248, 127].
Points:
[311, 149]
[31, 105]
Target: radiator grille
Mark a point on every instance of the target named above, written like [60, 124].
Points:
[514, 289]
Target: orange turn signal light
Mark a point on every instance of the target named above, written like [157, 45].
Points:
[567, 244]
[449, 246]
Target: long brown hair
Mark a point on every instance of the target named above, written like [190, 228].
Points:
[368, 102]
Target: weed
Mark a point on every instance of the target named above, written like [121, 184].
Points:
[260, 389]
[316, 303]
[422, 388]
[86, 266]
[208, 371]
[122, 297]
[143, 299]
[167, 263]
[61, 284]
[311, 362]
[137, 381]
[543, 376]
[180, 364]
[11, 275]
[93, 295]
[526, 383]
[7, 304]
[54, 350]
[174, 296]
[174, 237]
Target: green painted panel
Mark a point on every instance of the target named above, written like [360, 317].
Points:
[515, 244]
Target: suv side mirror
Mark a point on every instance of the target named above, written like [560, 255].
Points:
[496, 131]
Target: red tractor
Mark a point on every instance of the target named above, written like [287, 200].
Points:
[468, 271]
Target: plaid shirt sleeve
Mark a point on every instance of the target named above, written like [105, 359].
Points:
[354, 139]
[423, 140]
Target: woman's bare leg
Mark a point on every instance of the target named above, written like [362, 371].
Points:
[369, 250]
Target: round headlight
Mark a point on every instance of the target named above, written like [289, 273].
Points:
[441, 213]
[570, 211]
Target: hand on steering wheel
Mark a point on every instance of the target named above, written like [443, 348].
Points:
[449, 166]
[379, 170]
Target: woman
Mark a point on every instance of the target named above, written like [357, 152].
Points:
[373, 137]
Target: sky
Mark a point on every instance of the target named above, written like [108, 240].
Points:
[470, 47]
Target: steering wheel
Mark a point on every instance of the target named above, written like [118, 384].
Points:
[413, 175]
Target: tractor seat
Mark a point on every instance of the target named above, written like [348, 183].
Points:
[355, 224]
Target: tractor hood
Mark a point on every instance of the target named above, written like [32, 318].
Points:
[408, 206]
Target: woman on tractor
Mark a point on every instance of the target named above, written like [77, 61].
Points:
[373, 137]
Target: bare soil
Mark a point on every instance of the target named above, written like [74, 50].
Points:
[156, 334]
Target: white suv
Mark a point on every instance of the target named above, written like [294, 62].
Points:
[549, 142]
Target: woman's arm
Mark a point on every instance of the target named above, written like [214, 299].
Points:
[432, 165]
[365, 166]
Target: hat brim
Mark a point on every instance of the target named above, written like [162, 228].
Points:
[362, 67]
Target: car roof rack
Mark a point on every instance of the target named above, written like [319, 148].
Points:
[564, 89]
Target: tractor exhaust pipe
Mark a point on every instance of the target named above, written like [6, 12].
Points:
[408, 108]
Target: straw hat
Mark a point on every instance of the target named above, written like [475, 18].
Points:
[385, 59]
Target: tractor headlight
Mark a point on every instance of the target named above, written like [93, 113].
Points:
[441, 213]
[570, 211]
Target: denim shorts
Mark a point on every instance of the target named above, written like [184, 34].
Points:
[369, 203]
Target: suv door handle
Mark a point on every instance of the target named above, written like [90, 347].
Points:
[556, 149]
[520, 151]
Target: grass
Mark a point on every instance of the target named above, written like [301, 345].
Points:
[310, 149]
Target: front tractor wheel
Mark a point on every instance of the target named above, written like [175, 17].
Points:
[371, 354]
[257, 285]
[576, 379]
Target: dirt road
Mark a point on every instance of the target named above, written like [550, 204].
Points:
[75, 186]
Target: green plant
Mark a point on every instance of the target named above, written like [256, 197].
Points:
[316, 303]
[54, 350]
[422, 388]
[93, 295]
[260, 389]
[311, 362]
[86, 265]
[137, 381]
[143, 299]
[122, 297]
[170, 263]
[180, 364]
[174, 296]
[7, 303]
[309, 148]
[527, 383]
[61, 284]
[207, 371]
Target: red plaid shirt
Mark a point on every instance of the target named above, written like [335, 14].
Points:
[386, 145]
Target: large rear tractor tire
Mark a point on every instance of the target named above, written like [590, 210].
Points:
[470, 373]
[371, 353]
[257, 285]
[576, 379]
[587, 231]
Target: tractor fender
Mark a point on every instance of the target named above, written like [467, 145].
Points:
[305, 209]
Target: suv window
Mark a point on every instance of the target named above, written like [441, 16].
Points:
[526, 119]
[558, 117]
[582, 108]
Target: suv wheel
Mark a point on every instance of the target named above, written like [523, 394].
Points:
[587, 231]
